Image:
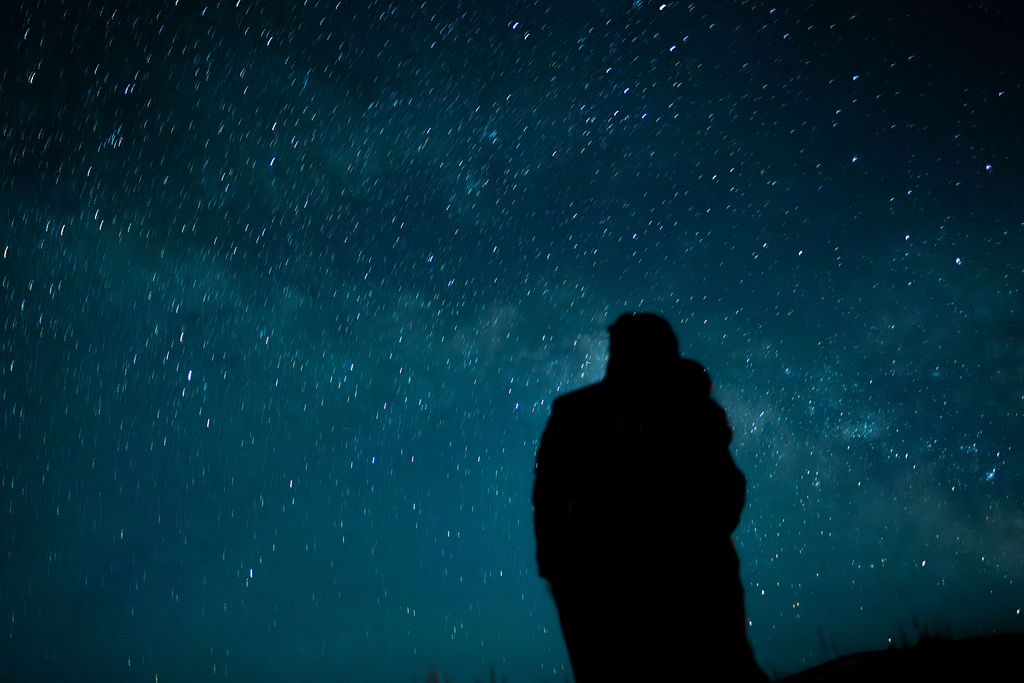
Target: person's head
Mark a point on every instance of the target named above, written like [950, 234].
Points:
[639, 344]
[694, 378]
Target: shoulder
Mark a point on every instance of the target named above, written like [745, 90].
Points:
[577, 407]
[581, 399]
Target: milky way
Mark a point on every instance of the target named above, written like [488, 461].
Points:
[287, 292]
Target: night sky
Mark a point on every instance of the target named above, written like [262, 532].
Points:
[286, 291]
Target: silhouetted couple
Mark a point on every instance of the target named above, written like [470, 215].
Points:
[635, 498]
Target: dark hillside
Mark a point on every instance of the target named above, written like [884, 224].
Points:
[982, 659]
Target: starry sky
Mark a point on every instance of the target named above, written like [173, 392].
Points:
[286, 290]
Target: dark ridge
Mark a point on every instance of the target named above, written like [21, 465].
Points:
[980, 659]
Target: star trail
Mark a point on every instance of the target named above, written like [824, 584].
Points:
[286, 290]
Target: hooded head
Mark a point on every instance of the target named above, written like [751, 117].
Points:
[641, 347]
[694, 379]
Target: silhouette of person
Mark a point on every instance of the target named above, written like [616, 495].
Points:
[635, 497]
